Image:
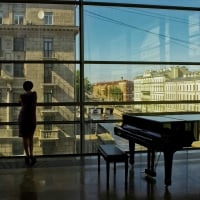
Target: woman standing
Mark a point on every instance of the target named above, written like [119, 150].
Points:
[27, 121]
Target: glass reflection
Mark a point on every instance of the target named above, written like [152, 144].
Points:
[150, 35]
[191, 3]
[51, 38]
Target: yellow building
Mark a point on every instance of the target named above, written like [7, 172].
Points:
[115, 90]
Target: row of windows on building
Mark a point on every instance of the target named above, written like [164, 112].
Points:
[18, 18]
[17, 70]
[171, 87]
[48, 95]
[19, 45]
[153, 88]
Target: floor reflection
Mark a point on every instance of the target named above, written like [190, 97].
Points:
[28, 190]
[80, 180]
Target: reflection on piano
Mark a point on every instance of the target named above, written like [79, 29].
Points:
[165, 133]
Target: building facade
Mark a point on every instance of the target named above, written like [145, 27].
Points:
[121, 90]
[43, 32]
[172, 84]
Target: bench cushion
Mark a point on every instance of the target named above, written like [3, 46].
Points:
[112, 153]
[196, 144]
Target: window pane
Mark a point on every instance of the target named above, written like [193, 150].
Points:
[61, 87]
[46, 142]
[18, 70]
[191, 3]
[18, 44]
[62, 33]
[18, 19]
[48, 18]
[150, 35]
[48, 73]
[1, 18]
[124, 83]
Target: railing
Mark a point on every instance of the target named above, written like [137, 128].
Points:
[68, 89]
[64, 111]
[49, 134]
[49, 54]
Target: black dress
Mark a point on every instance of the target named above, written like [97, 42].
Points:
[27, 115]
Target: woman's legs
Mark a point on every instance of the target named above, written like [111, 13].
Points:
[28, 148]
[31, 146]
[33, 159]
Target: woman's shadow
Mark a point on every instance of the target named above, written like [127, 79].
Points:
[28, 188]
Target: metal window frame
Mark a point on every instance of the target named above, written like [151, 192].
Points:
[82, 61]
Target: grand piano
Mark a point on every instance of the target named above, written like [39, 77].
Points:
[164, 133]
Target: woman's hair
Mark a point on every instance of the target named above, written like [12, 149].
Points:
[27, 85]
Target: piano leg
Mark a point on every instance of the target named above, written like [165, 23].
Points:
[150, 162]
[132, 152]
[168, 157]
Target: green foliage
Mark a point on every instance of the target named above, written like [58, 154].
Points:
[116, 93]
[87, 85]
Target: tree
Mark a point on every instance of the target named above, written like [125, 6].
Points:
[87, 85]
[116, 93]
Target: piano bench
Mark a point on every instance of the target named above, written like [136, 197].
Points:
[112, 153]
[196, 144]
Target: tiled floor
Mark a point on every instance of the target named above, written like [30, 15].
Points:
[74, 178]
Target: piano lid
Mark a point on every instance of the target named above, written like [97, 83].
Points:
[159, 118]
[185, 117]
[159, 123]
[166, 118]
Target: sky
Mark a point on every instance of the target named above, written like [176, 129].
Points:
[156, 2]
[135, 34]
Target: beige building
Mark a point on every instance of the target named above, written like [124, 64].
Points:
[115, 90]
[172, 84]
[186, 88]
[46, 33]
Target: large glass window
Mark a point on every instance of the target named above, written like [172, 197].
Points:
[191, 3]
[150, 35]
[93, 64]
